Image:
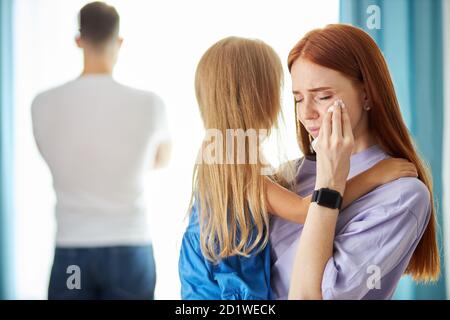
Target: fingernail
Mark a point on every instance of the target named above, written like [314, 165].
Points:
[331, 108]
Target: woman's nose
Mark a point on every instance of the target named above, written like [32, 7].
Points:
[308, 110]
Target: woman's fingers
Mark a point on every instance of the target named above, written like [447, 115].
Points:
[347, 131]
[325, 130]
[337, 121]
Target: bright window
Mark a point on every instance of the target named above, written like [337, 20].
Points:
[164, 41]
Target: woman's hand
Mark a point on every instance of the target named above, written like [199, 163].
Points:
[334, 148]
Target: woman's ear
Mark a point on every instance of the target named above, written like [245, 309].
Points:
[365, 99]
[363, 94]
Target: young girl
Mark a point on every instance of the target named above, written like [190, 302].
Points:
[225, 247]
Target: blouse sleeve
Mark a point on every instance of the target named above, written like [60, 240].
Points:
[383, 238]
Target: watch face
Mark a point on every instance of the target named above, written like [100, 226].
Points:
[329, 198]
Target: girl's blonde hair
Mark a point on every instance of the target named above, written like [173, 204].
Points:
[238, 86]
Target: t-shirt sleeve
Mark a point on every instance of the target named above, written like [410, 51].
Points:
[383, 239]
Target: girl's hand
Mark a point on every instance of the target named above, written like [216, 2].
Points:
[385, 171]
[391, 169]
[334, 148]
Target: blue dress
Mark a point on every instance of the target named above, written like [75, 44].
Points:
[232, 278]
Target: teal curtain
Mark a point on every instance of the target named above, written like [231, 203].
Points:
[6, 149]
[409, 32]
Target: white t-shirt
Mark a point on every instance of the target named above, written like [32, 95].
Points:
[99, 138]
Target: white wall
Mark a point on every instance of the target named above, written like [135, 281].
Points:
[163, 42]
[446, 153]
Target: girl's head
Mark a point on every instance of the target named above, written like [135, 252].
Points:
[341, 61]
[238, 86]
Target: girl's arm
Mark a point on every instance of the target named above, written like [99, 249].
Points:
[385, 171]
[290, 206]
[285, 203]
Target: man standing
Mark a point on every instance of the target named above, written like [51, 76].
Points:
[98, 138]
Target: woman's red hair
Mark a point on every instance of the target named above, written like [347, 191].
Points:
[352, 52]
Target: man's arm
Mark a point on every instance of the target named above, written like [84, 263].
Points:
[163, 154]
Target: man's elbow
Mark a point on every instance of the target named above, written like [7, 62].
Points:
[159, 164]
[163, 155]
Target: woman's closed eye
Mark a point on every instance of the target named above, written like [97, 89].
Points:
[324, 95]
[323, 99]
[317, 99]
[298, 99]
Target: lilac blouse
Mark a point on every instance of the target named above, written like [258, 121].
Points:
[375, 236]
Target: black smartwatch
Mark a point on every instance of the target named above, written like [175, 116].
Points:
[327, 198]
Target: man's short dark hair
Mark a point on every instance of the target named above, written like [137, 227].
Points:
[98, 23]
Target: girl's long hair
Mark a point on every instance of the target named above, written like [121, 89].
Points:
[355, 54]
[238, 86]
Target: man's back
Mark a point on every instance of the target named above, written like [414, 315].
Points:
[98, 138]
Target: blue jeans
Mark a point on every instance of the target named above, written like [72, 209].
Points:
[104, 273]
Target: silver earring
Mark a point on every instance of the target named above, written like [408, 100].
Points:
[367, 107]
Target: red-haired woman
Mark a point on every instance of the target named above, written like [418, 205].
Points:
[362, 252]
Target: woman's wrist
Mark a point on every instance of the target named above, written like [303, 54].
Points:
[331, 184]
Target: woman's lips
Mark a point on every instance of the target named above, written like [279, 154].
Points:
[314, 131]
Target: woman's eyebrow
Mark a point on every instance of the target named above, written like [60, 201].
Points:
[313, 90]
[319, 89]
